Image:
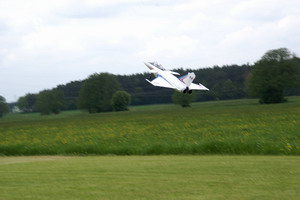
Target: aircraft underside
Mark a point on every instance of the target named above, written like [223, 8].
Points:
[187, 91]
[161, 77]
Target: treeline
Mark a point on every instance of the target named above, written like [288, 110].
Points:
[275, 75]
[226, 82]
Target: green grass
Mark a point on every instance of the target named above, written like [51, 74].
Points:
[219, 127]
[150, 177]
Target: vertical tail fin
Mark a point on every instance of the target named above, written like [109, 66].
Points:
[188, 79]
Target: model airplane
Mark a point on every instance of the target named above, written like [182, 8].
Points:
[165, 78]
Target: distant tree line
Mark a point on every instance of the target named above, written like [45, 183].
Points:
[226, 82]
[275, 75]
[98, 93]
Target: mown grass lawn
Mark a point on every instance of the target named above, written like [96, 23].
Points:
[150, 177]
[219, 127]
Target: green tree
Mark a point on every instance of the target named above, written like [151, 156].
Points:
[22, 103]
[50, 101]
[97, 91]
[3, 106]
[121, 100]
[228, 91]
[182, 99]
[71, 94]
[27, 103]
[276, 71]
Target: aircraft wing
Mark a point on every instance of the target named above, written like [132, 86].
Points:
[161, 82]
[194, 86]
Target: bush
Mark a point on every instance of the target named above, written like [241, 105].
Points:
[121, 100]
[182, 99]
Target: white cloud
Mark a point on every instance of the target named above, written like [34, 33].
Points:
[45, 43]
[169, 47]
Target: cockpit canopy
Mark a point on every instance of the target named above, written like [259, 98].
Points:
[157, 65]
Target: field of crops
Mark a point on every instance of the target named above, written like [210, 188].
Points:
[220, 127]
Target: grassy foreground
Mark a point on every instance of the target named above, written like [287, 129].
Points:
[220, 127]
[150, 177]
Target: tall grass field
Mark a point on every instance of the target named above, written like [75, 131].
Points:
[219, 127]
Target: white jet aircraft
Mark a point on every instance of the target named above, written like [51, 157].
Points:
[165, 78]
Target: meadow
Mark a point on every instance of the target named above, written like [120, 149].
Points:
[150, 177]
[236, 127]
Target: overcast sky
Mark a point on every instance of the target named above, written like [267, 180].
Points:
[46, 43]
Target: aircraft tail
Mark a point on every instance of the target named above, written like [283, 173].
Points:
[188, 78]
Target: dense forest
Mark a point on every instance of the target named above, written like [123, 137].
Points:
[227, 82]
[224, 83]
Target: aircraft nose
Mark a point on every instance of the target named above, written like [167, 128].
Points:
[148, 65]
